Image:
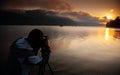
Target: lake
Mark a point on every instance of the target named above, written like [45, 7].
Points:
[76, 50]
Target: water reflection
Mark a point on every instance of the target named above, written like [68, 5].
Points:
[75, 50]
[107, 34]
[112, 33]
[117, 34]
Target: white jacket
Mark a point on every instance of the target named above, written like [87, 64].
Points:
[22, 44]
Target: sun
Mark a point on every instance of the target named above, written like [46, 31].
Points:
[109, 17]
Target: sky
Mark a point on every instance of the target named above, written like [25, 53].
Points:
[96, 7]
[78, 10]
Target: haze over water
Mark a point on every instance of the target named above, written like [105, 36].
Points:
[75, 50]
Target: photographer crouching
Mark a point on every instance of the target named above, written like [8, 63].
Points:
[24, 53]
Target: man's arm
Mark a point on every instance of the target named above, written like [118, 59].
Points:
[34, 59]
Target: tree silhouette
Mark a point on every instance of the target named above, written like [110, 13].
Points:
[114, 23]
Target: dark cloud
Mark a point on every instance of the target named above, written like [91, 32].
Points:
[81, 17]
[48, 17]
[36, 4]
[57, 10]
[33, 17]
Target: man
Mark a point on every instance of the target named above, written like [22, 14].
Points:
[23, 53]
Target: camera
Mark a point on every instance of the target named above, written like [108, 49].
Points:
[45, 41]
[45, 46]
[45, 37]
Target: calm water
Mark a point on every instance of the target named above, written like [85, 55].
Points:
[75, 50]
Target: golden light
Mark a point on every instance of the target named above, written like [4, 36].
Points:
[111, 10]
[109, 17]
[107, 34]
[110, 14]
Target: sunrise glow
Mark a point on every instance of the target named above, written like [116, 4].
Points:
[109, 17]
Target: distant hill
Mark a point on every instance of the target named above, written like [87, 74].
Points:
[114, 23]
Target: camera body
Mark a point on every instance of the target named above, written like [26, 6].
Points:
[45, 42]
[45, 46]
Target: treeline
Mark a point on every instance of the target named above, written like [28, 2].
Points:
[114, 23]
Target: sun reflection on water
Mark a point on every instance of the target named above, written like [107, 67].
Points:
[107, 34]
[112, 33]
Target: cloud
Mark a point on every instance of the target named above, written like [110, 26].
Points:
[56, 9]
[81, 17]
[77, 18]
[36, 4]
[49, 17]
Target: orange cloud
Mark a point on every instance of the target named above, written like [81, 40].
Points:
[36, 4]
